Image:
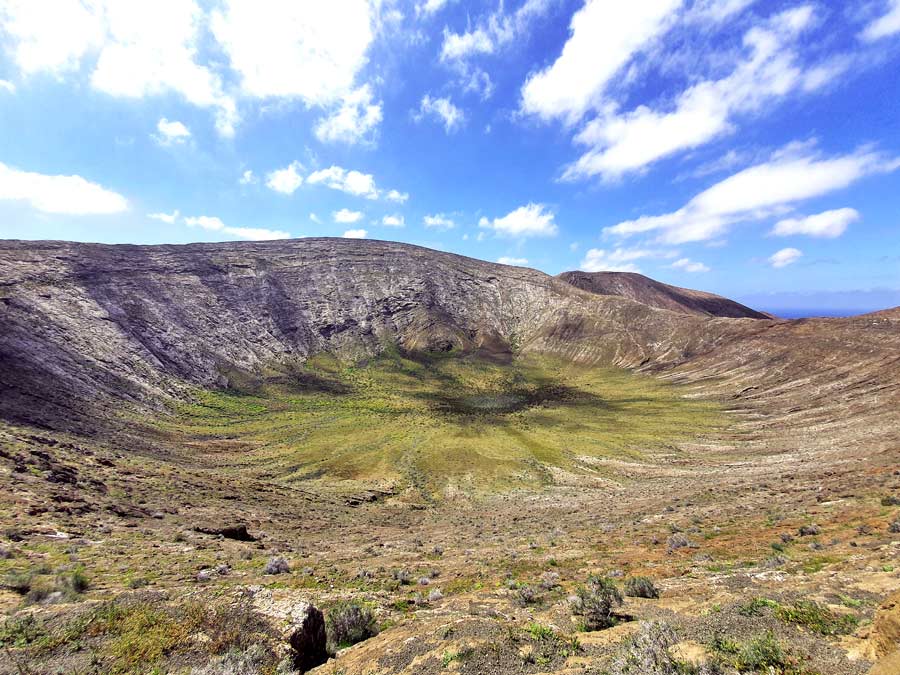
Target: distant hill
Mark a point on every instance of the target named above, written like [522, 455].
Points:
[656, 294]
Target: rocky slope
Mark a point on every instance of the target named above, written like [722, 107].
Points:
[85, 328]
[84, 324]
[655, 294]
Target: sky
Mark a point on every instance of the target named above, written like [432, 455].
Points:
[745, 147]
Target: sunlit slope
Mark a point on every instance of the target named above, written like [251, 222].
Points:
[437, 423]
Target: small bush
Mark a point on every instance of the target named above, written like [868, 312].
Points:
[809, 530]
[17, 582]
[894, 527]
[817, 618]
[527, 595]
[595, 601]
[347, 623]
[640, 587]
[890, 500]
[760, 654]
[277, 565]
[236, 662]
[648, 653]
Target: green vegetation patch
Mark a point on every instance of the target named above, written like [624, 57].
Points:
[434, 422]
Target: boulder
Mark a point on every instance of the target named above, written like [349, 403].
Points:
[306, 636]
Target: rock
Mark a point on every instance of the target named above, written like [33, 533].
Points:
[889, 665]
[236, 532]
[306, 637]
[885, 632]
[204, 575]
[809, 530]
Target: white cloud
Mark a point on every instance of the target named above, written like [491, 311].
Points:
[6, 85]
[393, 221]
[355, 234]
[828, 224]
[629, 142]
[347, 216]
[310, 51]
[397, 196]
[248, 178]
[351, 182]
[792, 175]
[785, 257]
[438, 222]
[533, 220]
[214, 224]
[307, 50]
[432, 6]
[59, 194]
[885, 25]
[169, 218]
[689, 265]
[506, 260]
[314, 218]
[604, 37]
[497, 30]
[172, 132]
[285, 180]
[716, 11]
[353, 120]
[442, 109]
[617, 260]
[478, 82]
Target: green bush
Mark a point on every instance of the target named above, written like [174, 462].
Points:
[595, 601]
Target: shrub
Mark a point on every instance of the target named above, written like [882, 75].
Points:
[595, 602]
[549, 580]
[527, 595]
[890, 500]
[760, 654]
[894, 527]
[347, 623]
[277, 565]
[236, 662]
[648, 653]
[809, 530]
[817, 618]
[640, 587]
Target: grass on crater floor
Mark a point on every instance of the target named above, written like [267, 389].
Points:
[436, 422]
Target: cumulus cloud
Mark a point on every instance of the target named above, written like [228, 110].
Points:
[7, 86]
[169, 218]
[532, 220]
[622, 143]
[306, 50]
[616, 260]
[171, 132]
[309, 51]
[885, 25]
[393, 221]
[785, 257]
[355, 234]
[286, 180]
[506, 260]
[353, 121]
[828, 224]
[347, 216]
[792, 175]
[432, 6]
[214, 224]
[59, 194]
[438, 221]
[441, 109]
[396, 196]
[248, 178]
[688, 265]
[603, 38]
[351, 182]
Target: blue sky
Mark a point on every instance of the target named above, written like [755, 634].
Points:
[746, 147]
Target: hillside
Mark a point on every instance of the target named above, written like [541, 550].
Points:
[655, 294]
[196, 440]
